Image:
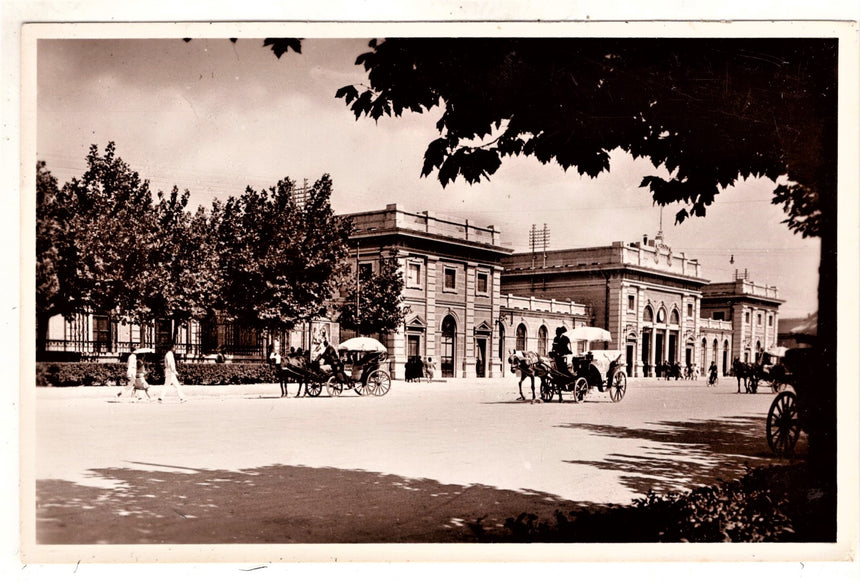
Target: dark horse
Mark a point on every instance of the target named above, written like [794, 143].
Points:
[747, 373]
[304, 368]
[529, 365]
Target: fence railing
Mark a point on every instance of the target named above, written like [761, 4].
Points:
[87, 350]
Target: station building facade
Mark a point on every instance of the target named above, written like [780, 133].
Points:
[654, 301]
[458, 316]
[751, 311]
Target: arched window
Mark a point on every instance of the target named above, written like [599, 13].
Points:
[648, 314]
[674, 318]
[715, 355]
[449, 339]
[542, 333]
[521, 337]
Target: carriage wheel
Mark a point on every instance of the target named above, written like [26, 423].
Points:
[580, 389]
[547, 391]
[314, 388]
[379, 383]
[783, 424]
[776, 386]
[333, 387]
[618, 386]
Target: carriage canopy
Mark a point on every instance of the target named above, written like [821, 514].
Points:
[590, 334]
[778, 351]
[362, 344]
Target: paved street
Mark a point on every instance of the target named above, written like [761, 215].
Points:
[241, 464]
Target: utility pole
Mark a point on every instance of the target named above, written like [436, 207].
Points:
[538, 239]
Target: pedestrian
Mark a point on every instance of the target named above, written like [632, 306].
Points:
[170, 377]
[429, 368]
[130, 373]
[140, 382]
[275, 355]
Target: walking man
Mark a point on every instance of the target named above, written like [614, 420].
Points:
[170, 378]
[130, 373]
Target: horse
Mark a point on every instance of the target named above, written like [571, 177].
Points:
[747, 373]
[529, 365]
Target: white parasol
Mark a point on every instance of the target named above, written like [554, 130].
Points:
[362, 344]
[139, 351]
[591, 334]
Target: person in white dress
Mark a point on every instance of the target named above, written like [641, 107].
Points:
[170, 377]
[131, 373]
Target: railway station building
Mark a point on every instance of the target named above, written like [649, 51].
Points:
[458, 315]
[472, 301]
[654, 301]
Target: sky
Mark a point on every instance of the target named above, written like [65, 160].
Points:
[213, 117]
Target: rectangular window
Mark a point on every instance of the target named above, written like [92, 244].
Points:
[631, 303]
[747, 317]
[413, 275]
[450, 279]
[482, 284]
[770, 320]
[758, 319]
[365, 271]
[689, 310]
[413, 346]
[101, 333]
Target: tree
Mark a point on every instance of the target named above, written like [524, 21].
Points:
[373, 304]
[54, 257]
[184, 257]
[109, 227]
[281, 258]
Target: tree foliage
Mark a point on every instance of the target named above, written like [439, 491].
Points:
[709, 110]
[374, 303]
[280, 258]
[107, 216]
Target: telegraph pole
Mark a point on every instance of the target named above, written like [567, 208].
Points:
[538, 239]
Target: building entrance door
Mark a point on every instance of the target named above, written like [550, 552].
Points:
[480, 357]
[659, 356]
[449, 339]
[646, 351]
[673, 346]
[631, 351]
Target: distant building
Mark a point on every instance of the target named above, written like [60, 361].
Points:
[644, 293]
[752, 311]
[798, 331]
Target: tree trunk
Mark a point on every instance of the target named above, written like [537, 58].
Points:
[823, 394]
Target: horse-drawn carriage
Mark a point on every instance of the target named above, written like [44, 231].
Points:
[358, 366]
[789, 412]
[769, 370]
[579, 372]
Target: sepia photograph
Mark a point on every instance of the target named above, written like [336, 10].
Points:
[301, 292]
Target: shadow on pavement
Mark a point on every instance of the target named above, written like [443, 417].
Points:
[277, 504]
[686, 454]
